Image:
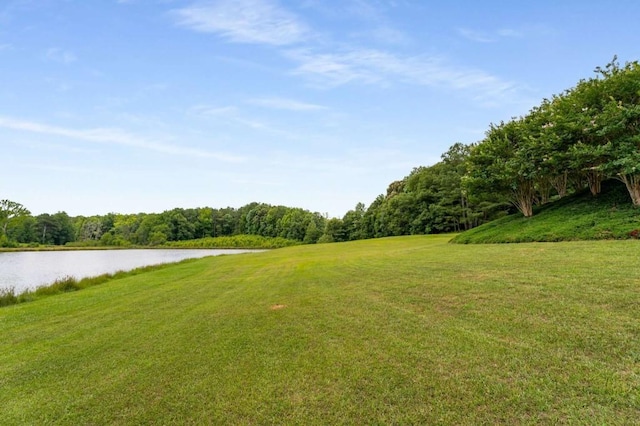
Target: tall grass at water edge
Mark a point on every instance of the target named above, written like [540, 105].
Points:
[8, 296]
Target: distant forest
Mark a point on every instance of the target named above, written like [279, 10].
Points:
[571, 142]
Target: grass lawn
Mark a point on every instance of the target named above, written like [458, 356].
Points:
[409, 330]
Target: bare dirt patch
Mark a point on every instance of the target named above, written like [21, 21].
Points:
[276, 307]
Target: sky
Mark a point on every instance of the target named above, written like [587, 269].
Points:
[132, 106]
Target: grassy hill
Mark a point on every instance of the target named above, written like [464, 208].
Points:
[610, 215]
[408, 330]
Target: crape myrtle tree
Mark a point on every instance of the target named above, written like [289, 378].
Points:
[540, 130]
[505, 163]
[579, 138]
[619, 125]
[587, 151]
[555, 129]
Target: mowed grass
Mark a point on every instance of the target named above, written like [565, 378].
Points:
[408, 330]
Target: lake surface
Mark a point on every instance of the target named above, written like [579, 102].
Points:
[31, 269]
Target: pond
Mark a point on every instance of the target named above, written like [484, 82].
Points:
[28, 270]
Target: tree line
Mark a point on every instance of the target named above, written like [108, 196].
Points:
[568, 143]
[155, 229]
[429, 200]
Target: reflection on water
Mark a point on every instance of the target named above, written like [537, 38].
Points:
[28, 270]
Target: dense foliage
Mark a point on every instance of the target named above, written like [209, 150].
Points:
[153, 229]
[433, 200]
[576, 139]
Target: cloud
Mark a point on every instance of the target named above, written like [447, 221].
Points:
[115, 137]
[211, 111]
[477, 36]
[370, 66]
[495, 36]
[232, 115]
[336, 69]
[244, 21]
[508, 32]
[286, 104]
[266, 22]
[60, 55]
[389, 35]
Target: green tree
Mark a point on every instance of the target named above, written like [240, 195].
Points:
[56, 229]
[312, 233]
[89, 228]
[504, 162]
[333, 231]
[353, 223]
[10, 211]
[23, 230]
[294, 223]
[619, 125]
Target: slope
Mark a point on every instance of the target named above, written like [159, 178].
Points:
[610, 215]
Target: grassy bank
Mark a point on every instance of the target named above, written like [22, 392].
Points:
[405, 330]
[610, 215]
[8, 296]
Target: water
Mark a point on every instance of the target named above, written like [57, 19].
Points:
[28, 270]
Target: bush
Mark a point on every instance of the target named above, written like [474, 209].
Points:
[6, 242]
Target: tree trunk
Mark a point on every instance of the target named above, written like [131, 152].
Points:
[465, 218]
[632, 182]
[594, 177]
[524, 197]
[560, 184]
[544, 190]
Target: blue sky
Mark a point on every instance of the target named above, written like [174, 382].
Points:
[145, 105]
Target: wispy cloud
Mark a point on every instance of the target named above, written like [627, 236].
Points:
[494, 36]
[244, 21]
[212, 111]
[115, 137]
[477, 36]
[511, 33]
[285, 104]
[5, 46]
[389, 35]
[62, 169]
[329, 65]
[336, 69]
[371, 66]
[233, 115]
[60, 55]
